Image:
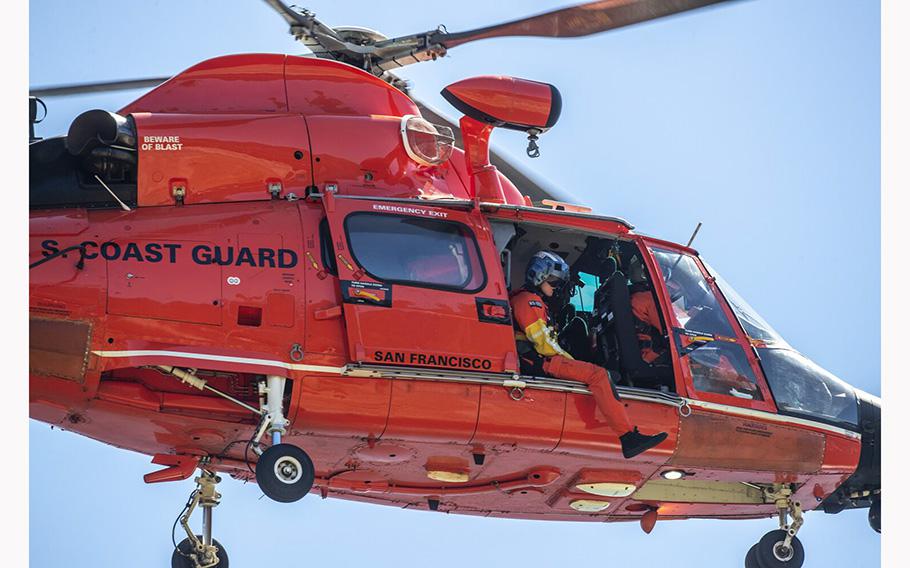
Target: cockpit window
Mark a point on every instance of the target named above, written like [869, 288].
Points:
[755, 326]
[800, 386]
[694, 304]
[723, 368]
[717, 362]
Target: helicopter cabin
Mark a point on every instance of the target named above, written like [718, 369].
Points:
[269, 214]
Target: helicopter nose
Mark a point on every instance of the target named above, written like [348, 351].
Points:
[863, 488]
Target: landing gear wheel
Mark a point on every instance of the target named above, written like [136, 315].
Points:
[751, 558]
[875, 516]
[182, 559]
[771, 552]
[285, 473]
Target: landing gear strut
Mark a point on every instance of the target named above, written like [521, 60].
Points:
[780, 548]
[284, 472]
[200, 551]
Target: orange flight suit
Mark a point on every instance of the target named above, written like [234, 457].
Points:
[532, 321]
[644, 308]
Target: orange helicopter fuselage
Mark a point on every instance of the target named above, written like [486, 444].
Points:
[235, 261]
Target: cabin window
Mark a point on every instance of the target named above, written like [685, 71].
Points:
[411, 250]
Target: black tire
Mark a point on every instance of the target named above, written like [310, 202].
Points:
[751, 558]
[285, 473]
[765, 553]
[180, 558]
[875, 516]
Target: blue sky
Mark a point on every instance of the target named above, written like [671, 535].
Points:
[759, 119]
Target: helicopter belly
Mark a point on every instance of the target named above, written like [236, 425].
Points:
[400, 448]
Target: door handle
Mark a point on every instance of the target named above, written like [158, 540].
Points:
[491, 310]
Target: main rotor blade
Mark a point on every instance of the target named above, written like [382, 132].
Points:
[290, 16]
[576, 21]
[305, 27]
[77, 89]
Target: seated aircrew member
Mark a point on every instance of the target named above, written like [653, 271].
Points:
[538, 347]
[651, 338]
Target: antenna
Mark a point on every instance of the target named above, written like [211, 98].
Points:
[695, 232]
[122, 204]
[688, 244]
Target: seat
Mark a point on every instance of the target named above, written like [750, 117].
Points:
[621, 340]
[575, 339]
[622, 325]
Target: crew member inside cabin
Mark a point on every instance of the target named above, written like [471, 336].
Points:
[540, 350]
[651, 337]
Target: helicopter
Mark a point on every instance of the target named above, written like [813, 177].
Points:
[260, 257]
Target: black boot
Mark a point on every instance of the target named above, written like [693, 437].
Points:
[634, 442]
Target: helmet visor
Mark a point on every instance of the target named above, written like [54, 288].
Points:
[555, 280]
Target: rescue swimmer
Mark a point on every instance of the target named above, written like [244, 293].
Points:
[541, 353]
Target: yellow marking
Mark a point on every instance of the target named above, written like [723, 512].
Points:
[448, 476]
[544, 343]
[364, 294]
[345, 262]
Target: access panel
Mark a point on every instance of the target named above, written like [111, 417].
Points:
[142, 283]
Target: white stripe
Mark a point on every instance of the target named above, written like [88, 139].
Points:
[759, 414]
[222, 358]
[763, 415]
